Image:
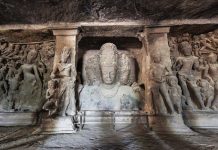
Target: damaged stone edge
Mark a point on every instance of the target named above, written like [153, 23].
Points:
[147, 23]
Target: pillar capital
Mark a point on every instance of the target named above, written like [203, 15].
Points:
[66, 32]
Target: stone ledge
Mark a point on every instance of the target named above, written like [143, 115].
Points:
[168, 124]
[201, 119]
[57, 125]
[114, 117]
[18, 119]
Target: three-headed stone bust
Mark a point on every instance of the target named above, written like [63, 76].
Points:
[110, 71]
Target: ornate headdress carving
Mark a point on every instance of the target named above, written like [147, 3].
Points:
[108, 55]
[65, 55]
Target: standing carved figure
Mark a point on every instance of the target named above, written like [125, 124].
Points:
[62, 72]
[185, 65]
[213, 72]
[159, 88]
[30, 98]
[51, 104]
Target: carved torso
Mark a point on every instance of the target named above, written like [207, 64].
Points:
[64, 69]
[186, 65]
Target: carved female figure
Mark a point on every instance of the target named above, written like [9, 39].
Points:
[30, 85]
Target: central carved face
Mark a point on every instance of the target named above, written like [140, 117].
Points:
[108, 63]
[108, 74]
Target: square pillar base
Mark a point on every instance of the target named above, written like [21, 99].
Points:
[57, 125]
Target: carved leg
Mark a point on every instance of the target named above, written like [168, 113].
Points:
[197, 95]
[215, 95]
[166, 97]
[156, 100]
[71, 107]
[185, 90]
[209, 102]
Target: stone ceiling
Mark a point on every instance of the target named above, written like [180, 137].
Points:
[46, 11]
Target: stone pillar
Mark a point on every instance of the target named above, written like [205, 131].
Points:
[164, 122]
[145, 67]
[158, 41]
[64, 124]
[155, 41]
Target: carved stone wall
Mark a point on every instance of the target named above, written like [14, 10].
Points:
[25, 70]
[194, 62]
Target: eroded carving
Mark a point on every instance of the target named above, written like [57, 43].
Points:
[109, 80]
[196, 68]
[23, 75]
[160, 96]
[63, 103]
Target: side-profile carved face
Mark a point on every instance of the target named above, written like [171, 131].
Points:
[108, 62]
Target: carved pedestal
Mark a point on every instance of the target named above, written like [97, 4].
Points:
[95, 117]
[18, 119]
[57, 125]
[115, 119]
[61, 96]
[168, 124]
[201, 119]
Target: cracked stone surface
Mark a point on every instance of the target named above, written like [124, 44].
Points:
[105, 136]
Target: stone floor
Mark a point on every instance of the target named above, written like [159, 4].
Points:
[104, 136]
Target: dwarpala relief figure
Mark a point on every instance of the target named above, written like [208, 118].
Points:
[64, 102]
[113, 91]
[185, 65]
[159, 90]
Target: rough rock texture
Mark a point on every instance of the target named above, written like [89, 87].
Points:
[44, 11]
[25, 36]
